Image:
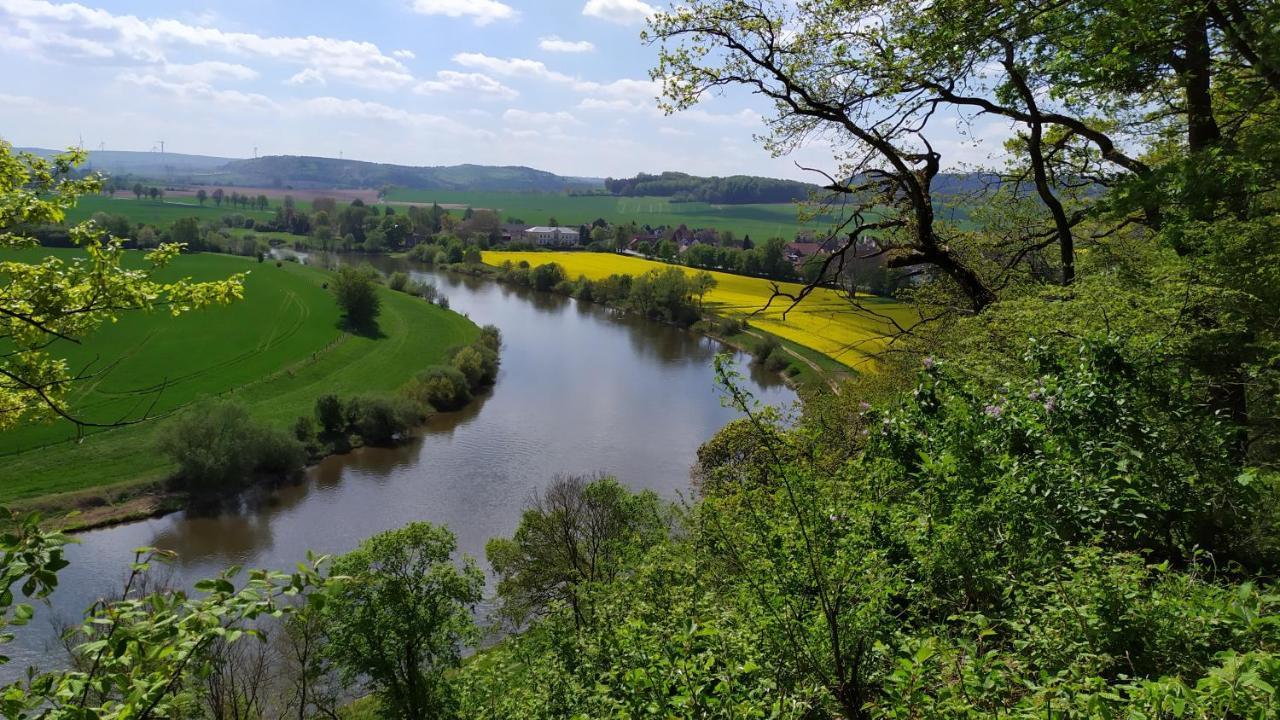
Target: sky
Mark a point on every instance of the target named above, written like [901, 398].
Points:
[560, 85]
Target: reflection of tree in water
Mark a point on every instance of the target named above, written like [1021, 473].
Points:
[668, 345]
[448, 423]
[225, 537]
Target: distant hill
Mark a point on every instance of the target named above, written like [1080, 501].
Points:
[302, 171]
[735, 189]
[317, 172]
[149, 164]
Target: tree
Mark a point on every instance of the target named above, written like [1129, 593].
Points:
[138, 191]
[703, 283]
[217, 197]
[43, 302]
[356, 290]
[403, 619]
[577, 531]
[217, 448]
[201, 196]
[185, 232]
[153, 192]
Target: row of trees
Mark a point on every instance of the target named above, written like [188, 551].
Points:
[735, 189]
[667, 295]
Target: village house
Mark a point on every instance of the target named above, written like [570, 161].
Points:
[543, 235]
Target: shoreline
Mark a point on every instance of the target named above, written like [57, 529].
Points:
[146, 498]
[826, 378]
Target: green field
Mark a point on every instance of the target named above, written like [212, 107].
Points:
[758, 221]
[160, 213]
[275, 351]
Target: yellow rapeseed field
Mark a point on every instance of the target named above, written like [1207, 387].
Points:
[824, 321]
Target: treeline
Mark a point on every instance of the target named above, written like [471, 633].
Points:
[734, 189]
[667, 295]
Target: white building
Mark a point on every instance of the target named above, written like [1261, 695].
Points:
[542, 235]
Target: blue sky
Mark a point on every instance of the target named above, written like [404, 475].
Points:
[560, 85]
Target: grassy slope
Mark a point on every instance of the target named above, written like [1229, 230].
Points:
[759, 221]
[276, 351]
[824, 321]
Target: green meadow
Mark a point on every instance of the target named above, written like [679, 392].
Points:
[275, 351]
[160, 213]
[758, 221]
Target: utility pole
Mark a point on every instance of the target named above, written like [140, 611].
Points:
[255, 152]
[161, 146]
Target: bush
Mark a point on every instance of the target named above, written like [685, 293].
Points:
[329, 414]
[441, 388]
[398, 281]
[545, 277]
[491, 337]
[218, 447]
[478, 364]
[380, 420]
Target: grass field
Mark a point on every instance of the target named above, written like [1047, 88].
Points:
[758, 221]
[824, 322]
[160, 213]
[275, 351]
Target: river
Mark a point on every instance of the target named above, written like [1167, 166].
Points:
[581, 390]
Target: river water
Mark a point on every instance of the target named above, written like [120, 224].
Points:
[581, 390]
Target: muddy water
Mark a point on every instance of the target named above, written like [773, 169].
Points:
[581, 390]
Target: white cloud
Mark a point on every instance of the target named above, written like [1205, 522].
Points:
[210, 71]
[623, 12]
[197, 91]
[744, 118]
[70, 31]
[607, 105]
[511, 67]
[309, 76]
[531, 117]
[403, 54]
[553, 43]
[638, 92]
[674, 132]
[474, 83]
[481, 12]
[365, 110]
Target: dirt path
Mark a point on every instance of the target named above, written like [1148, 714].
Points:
[831, 382]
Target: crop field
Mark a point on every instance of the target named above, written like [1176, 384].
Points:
[758, 221]
[160, 213]
[275, 351]
[825, 321]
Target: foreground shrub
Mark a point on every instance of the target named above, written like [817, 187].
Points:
[218, 447]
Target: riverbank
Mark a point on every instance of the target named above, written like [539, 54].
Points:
[275, 369]
[801, 367]
[825, 322]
